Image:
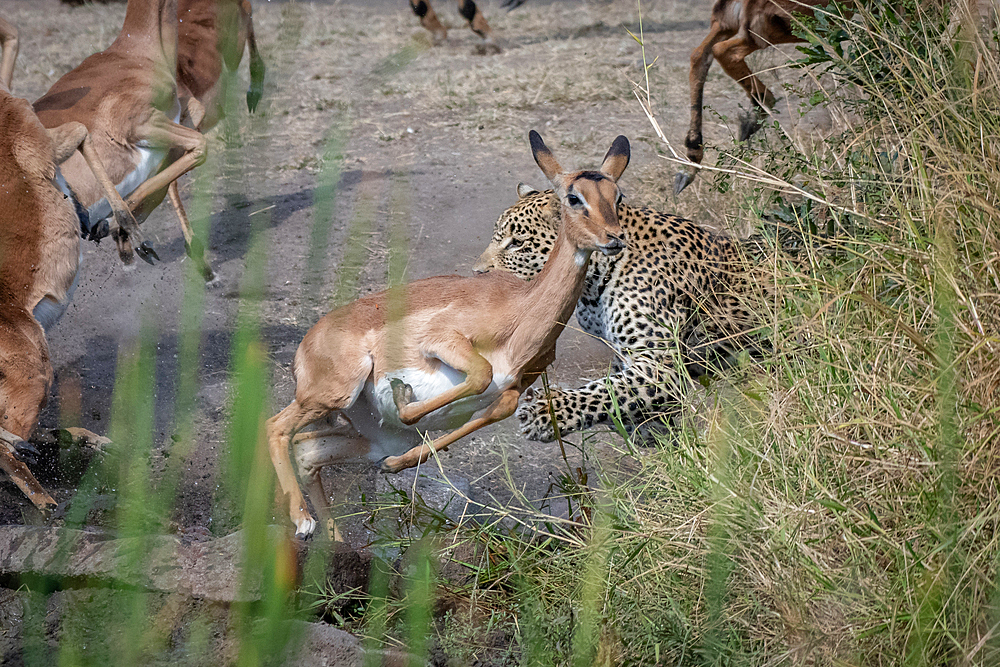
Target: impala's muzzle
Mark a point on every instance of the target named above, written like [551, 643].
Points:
[612, 247]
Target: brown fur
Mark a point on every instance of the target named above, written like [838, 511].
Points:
[739, 27]
[477, 326]
[39, 251]
[126, 96]
[39, 257]
[210, 33]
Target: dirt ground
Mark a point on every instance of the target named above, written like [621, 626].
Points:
[435, 140]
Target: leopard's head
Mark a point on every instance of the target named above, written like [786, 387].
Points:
[524, 235]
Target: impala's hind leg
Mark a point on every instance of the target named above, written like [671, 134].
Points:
[324, 385]
[314, 450]
[731, 55]
[280, 430]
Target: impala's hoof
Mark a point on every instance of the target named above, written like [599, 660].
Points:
[254, 93]
[750, 123]
[196, 251]
[402, 393]
[681, 181]
[389, 465]
[146, 253]
[26, 452]
[304, 528]
[97, 231]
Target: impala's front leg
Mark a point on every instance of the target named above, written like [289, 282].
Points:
[10, 445]
[502, 408]
[460, 355]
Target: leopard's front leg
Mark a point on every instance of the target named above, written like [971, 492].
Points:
[643, 390]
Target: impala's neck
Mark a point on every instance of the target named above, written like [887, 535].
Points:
[150, 28]
[552, 295]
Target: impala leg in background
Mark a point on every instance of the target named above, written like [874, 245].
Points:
[257, 68]
[314, 450]
[701, 61]
[429, 20]
[477, 22]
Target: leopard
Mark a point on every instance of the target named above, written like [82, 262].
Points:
[675, 304]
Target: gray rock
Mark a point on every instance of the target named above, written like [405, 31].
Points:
[326, 646]
[449, 494]
[209, 570]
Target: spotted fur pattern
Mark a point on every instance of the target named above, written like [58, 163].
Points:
[678, 291]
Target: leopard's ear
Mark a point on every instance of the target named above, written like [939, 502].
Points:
[523, 190]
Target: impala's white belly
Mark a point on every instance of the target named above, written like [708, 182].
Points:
[374, 412]
[149, 162]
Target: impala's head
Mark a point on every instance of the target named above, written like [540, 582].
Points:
[589, 199]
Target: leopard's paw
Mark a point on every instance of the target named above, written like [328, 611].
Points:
[535, 421]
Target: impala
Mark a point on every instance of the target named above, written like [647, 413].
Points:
[447, 353]
[126, 96]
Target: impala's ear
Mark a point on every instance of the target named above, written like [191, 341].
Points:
[543, 156]
[617, 158]
[523, 190]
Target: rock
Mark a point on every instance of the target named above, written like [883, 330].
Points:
[209, 570]
[326, 646]
[448, 494]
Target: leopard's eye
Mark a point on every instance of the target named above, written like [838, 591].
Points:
[515, 243]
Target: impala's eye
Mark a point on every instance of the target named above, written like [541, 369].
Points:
[573, 200]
